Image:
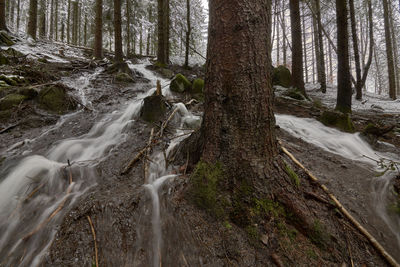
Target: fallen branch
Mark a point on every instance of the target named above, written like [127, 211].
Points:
[165, 123]
[94, 239]
[339, 206]
[55, 212]
[10, 127]
[137, 157]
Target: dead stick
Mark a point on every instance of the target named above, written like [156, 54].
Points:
[94, 239]
[373, 241]
[40, 226]
[165, 123]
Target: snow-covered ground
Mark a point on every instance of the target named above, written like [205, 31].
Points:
[370, 101]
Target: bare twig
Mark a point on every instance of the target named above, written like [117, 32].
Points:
[94, 240]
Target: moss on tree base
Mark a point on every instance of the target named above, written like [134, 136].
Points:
[337, 119]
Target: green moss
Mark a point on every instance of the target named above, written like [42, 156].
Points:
[293, 176]
[205, 191]
[160, 65]
[11, 100]
[295, 94]
[198, 86]
[281, 76]
[123, 77]
[154, 108]
[3, 84]
[311, 254]
[55, 98]
[319, 235]
[30, 93]
[339, 120]
[43, 60]
[286, 231]
[227, 225]
[9, 80]
[268, 207]
[3, 60]
[343, 109]
[167, 73]
[318, 104]
[180, 84]
[252, 233]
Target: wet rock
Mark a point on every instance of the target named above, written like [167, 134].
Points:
[281, 76]
[30, 93]
[197, 89]
[338, 120]
[167, 73]
[154, 108]
[11, 100]
[295, 94]
[124, 77]
[192, 123]
[180, 84]
[5, 39]
[55, 98]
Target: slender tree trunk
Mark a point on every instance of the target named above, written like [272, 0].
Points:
[85, 31]
[68, 21]
[188, 32]
[378, 71]
[32, 23]
[75, 11]
[3, 24]
[371, 45]
[297, 51]
[389, 51]
[278, 43]
[63, 31]
[51, 29]
[316, 47]
[314, 54]
[149, 33]
[321, 57]
[42, 19]
[330, 64]
[344, 92]
[128, 29]
[18, 14]
[141, 40]
[117, 31]
[12, 14]
[395, 51]
[98, 36]
[56, 20]
[283, 20]
[356, 50]
[163, 32]
[305, 45]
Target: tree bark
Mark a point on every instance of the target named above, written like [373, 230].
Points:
[98, 36]
[163, 32]
[389, 52]
[238, 126]
[395, 51]
[42, 19]
[344, 92]
[128, 29]
[3, 24]
[188, 32]
[371, 45]
[297, 51]
[32, 23]
[68, 21]
[355, 50]
[56, 21]
[117, 31]
[320, 58]
[305, 45]
[75, 11]
[18, 14]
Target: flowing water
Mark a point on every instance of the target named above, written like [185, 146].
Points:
[355, 148]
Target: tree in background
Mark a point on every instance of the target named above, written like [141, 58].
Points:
[32, 23]
[297, 48]
[344, 92]
[117, 31]
[163, 32]
[3, 25]
[98, 36]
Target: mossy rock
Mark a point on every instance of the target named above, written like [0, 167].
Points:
[337, 119]
[55, 98]
[167, 73]
[3, 84]
[180, 84]
[30, 93]
[124, 78]
[160, 65]
[295, 94]
[3, 59]
[9, 80]
[197, 91]
[11, 100]
[281, 76]
[154, 108]
[5, 39]
[11, 52]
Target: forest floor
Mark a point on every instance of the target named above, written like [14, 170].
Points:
[117, 204]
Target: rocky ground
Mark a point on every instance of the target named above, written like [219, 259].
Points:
[118, 205]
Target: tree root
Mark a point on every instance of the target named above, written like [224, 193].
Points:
[94, 240]
[343, 210]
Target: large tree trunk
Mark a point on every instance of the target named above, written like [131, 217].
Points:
[3, 24]
[321, 51]
[389, 51]
[238, 126]
[98, 35]
[297, 51]
[163, 32]
[117, 31]
[128, 29]
[32, 23]
[68, 21]
[343, 77]
[188, 32]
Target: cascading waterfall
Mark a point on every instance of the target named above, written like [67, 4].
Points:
[37, 192]
[353, 147]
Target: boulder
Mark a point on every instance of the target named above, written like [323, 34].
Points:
[154, 108]
[55, 98]
[5, 39]
[337, 119]
[295, 94]
[124, 77]
[167, 73]
[180, 84]
[11, 100]
[281, 76]
[197, 90]
[10, 80]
